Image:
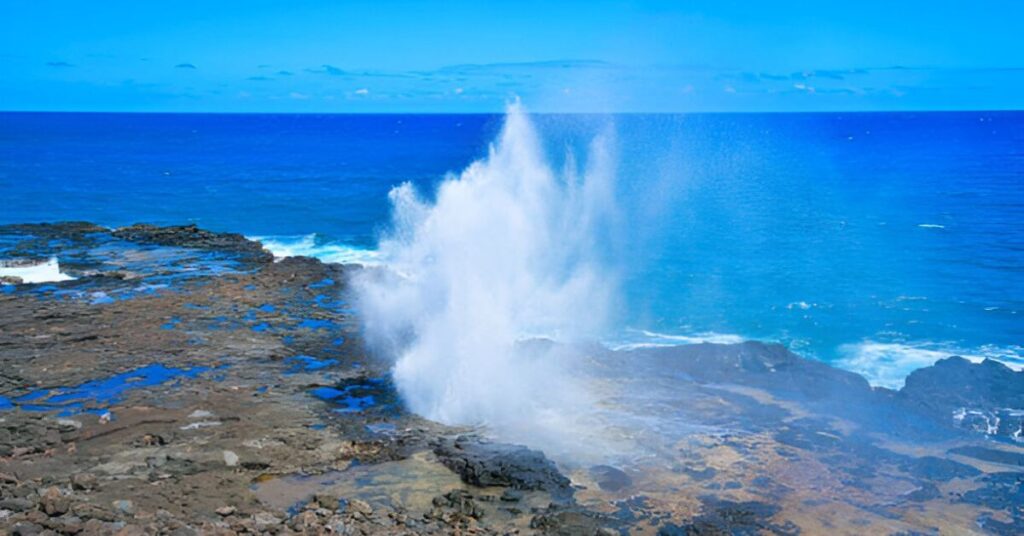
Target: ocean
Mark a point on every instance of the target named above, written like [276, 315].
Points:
[879, 242]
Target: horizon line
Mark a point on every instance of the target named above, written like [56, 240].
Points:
[396, 113]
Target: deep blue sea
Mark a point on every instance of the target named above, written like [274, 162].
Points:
[878, 241]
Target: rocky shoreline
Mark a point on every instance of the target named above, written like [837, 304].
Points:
[186, 382]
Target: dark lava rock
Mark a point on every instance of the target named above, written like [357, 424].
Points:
[459, 503]
[926, 492]
[482, 463]
[511, 495]
[609, 478]
[1002, 491]
[940, 469]
[770, 366]
[957, 382]
[976, 396]
[191, 236]
[723, 517]
[1004, 457]
[1014, 527]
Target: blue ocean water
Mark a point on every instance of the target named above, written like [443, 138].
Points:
[879, 241]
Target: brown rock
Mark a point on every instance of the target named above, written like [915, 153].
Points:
[53, 502]
[305, 521]
[329, 501]
[360, 507]
[84, 481]
[265, 521]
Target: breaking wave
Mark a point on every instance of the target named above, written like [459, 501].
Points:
[311, 245]
[887, 364]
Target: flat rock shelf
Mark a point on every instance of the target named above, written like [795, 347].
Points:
[174, 380]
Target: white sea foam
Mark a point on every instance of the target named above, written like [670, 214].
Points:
[307, 246]
[887, 364]
[505, 251]
[931, 226]
[653, 339]
[37, 272]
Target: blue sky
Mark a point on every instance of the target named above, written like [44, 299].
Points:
[455, 56]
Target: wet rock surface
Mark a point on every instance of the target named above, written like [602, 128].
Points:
[482, 463]
[185, 382]
[985, 398]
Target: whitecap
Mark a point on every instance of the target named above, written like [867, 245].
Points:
[34, 272]
[931, 226]
[887, 364]
[653, 339]
[307, 246]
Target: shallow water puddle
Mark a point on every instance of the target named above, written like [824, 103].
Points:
[411, 483]
[94, 396]
[359, 395]
[315, 323]
[151, 267]
[306, 363]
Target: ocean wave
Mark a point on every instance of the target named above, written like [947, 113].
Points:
[310, 246]
[887, 364]
[653, 339]
[34, 272]
[931, 226]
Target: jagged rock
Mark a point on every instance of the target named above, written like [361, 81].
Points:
[770, 366]
[97, 526]
[326, 500]
[458, 502]
[511, 495]
[25, 528]
[124, 506]
[609, 478]
[721, 516]
[266, 521]
[83, 481]
[986, 397]
[482, 463]
[357, 506]
[68, 524]
[54, 502]
[16, 504]
[304, 521]
[192, 236]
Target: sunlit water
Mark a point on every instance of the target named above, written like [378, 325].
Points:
[878, 241]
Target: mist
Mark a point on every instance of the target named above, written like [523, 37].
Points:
[503, 256]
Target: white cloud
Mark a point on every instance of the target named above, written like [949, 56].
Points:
[298, 96]
[362, 91]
